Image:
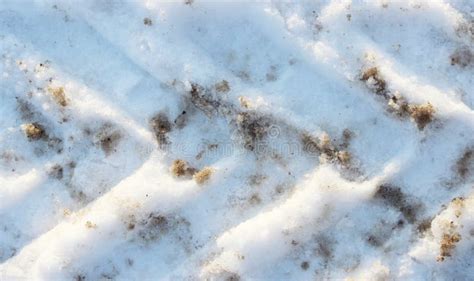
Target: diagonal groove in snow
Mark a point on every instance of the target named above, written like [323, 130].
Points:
[160, 193]
[84, 100]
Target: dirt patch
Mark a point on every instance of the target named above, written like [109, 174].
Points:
[458, 205]
[465, 164]
[203, 99]
[326, 147]
[34, 131]
[210, 147]
[79, 196]
[161, 126]
[245, 102]
[58, 95]
[79, 277]
[374, 241]
[448, 244]
[424, 226]
[394, 197]
[56, 172]
[344, 157]
[374, 80]
[462, 57]
[147, 22]
[272, 74]
[325, 144]
[180, 168]
[256, 179]
[304, 265]
[108, 138]
[451, 236]
[324, 247]
[155, 225]
[243, 75]
[203, 175]
[382, 231]
[347, 136]
[90, 225]
[410, 212]
[310, 143]
[255, 199]
[422, 114]
[224, 275]
[222, 87]
[55, 143]
[466, 28]
[26, 109]
[10, 157]
[327, 151]
[398, 105]
[253, 128]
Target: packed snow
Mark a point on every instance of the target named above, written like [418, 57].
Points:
[206, 140]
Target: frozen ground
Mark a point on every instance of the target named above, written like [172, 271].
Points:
[320, 140]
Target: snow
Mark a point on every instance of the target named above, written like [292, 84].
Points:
[308, 115]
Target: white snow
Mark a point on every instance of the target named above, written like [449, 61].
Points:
[320, 170]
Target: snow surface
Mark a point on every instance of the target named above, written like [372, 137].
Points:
[314, 174]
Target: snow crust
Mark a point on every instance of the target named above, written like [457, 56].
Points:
[308, 116]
